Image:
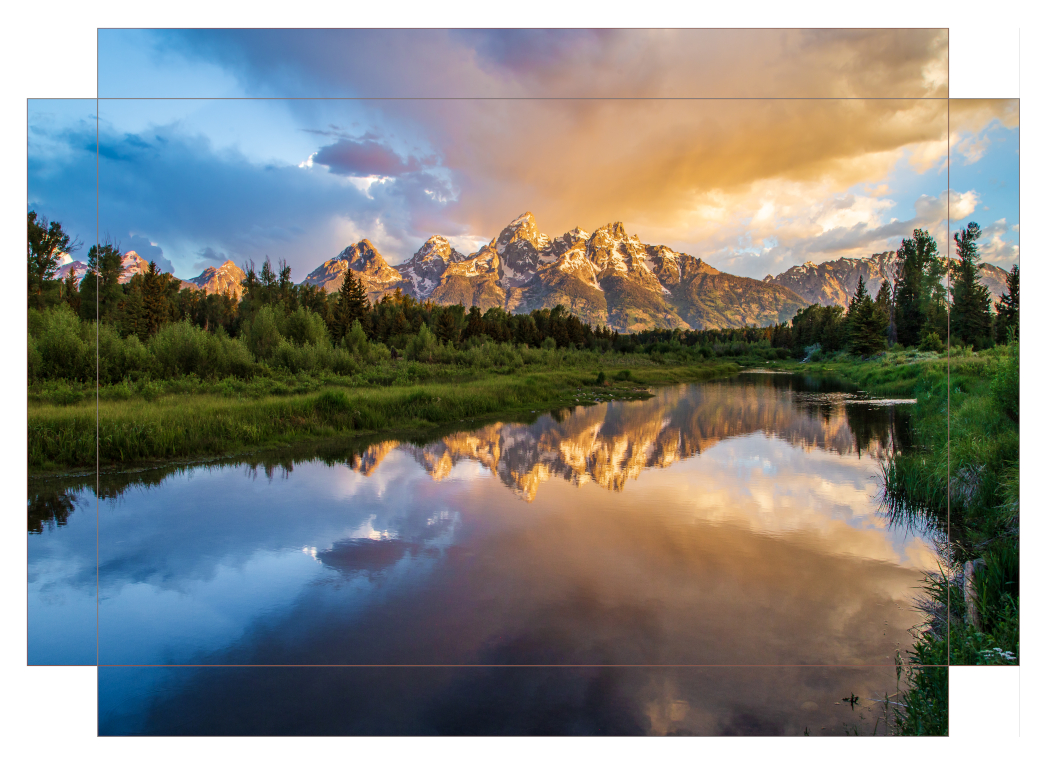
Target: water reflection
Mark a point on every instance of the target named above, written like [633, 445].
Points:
[612, 443]
[731, 523]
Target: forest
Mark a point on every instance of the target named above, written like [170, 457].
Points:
[151, 329]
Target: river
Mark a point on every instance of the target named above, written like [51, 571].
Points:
[709, 561]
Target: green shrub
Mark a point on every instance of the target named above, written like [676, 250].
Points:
[34, 363]
[180, 348]
[263, 334]
[355, 340]
[931, 343]
[60, 342]
[1006, 383]
[303, 327]
[420, 347]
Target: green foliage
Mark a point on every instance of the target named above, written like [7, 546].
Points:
[191, 417]
[1007, 309]
[819, 325]
[100, 289]
[356, 340]
[63, 347]
[263, 333]
[914, 289]
[1006, 385]
[422, 345]
[304, 327]
[46, 242]
[931, 343]
[971, 319]
[866, 323]
[353, 305]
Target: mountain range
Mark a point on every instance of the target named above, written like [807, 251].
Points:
[605, 277]
[835, 281]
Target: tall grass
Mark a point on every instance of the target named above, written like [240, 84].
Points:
[962, 477]
[205, 423]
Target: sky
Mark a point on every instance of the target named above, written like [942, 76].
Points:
[755, 150]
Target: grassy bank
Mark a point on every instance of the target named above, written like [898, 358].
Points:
[962, 477]
[192, 418]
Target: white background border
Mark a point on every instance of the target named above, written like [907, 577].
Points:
[49, 51]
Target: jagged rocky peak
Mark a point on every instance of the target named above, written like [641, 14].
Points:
[523, 228]
[518, 248]
[425, 269]
[133, 264]
[437, 248]
[361, 252]
[223, 279]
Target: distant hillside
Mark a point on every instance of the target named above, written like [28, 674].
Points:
[834, 282]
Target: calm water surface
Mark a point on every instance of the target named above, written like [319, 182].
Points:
[708, 561]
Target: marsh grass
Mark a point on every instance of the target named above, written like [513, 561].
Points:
[963, 479]
[200, 421]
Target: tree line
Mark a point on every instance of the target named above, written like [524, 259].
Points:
[913, 310]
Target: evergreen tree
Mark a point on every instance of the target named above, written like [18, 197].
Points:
[131, 316]
[859, 295]
[71, 292]
[353, 305]
[1007, 309]
[971, 318]
[866, 323]
[913, 291]
[884, 304]
[155, 287]
[100, 289]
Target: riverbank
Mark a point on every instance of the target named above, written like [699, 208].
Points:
[197, 419]
[962, 479]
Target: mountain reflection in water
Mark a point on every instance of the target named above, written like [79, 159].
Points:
[611, 443]
[665, 549]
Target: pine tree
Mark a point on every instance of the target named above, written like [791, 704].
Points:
[131, 317]
[866, 323]
[1007, 309]
[971, 318]
[71, 292]
[100, 288]
[154, 298]
[912, 291]
[884, 304]
[859, 295]
[353, 305]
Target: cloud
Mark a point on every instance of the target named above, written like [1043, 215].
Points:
[747, 184]
[644, 63]
[972, 115]
[994, 248]
[148, 251]
[368, 157]
[194, 200]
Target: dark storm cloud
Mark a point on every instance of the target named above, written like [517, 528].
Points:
[366, 157]
[176, 190]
